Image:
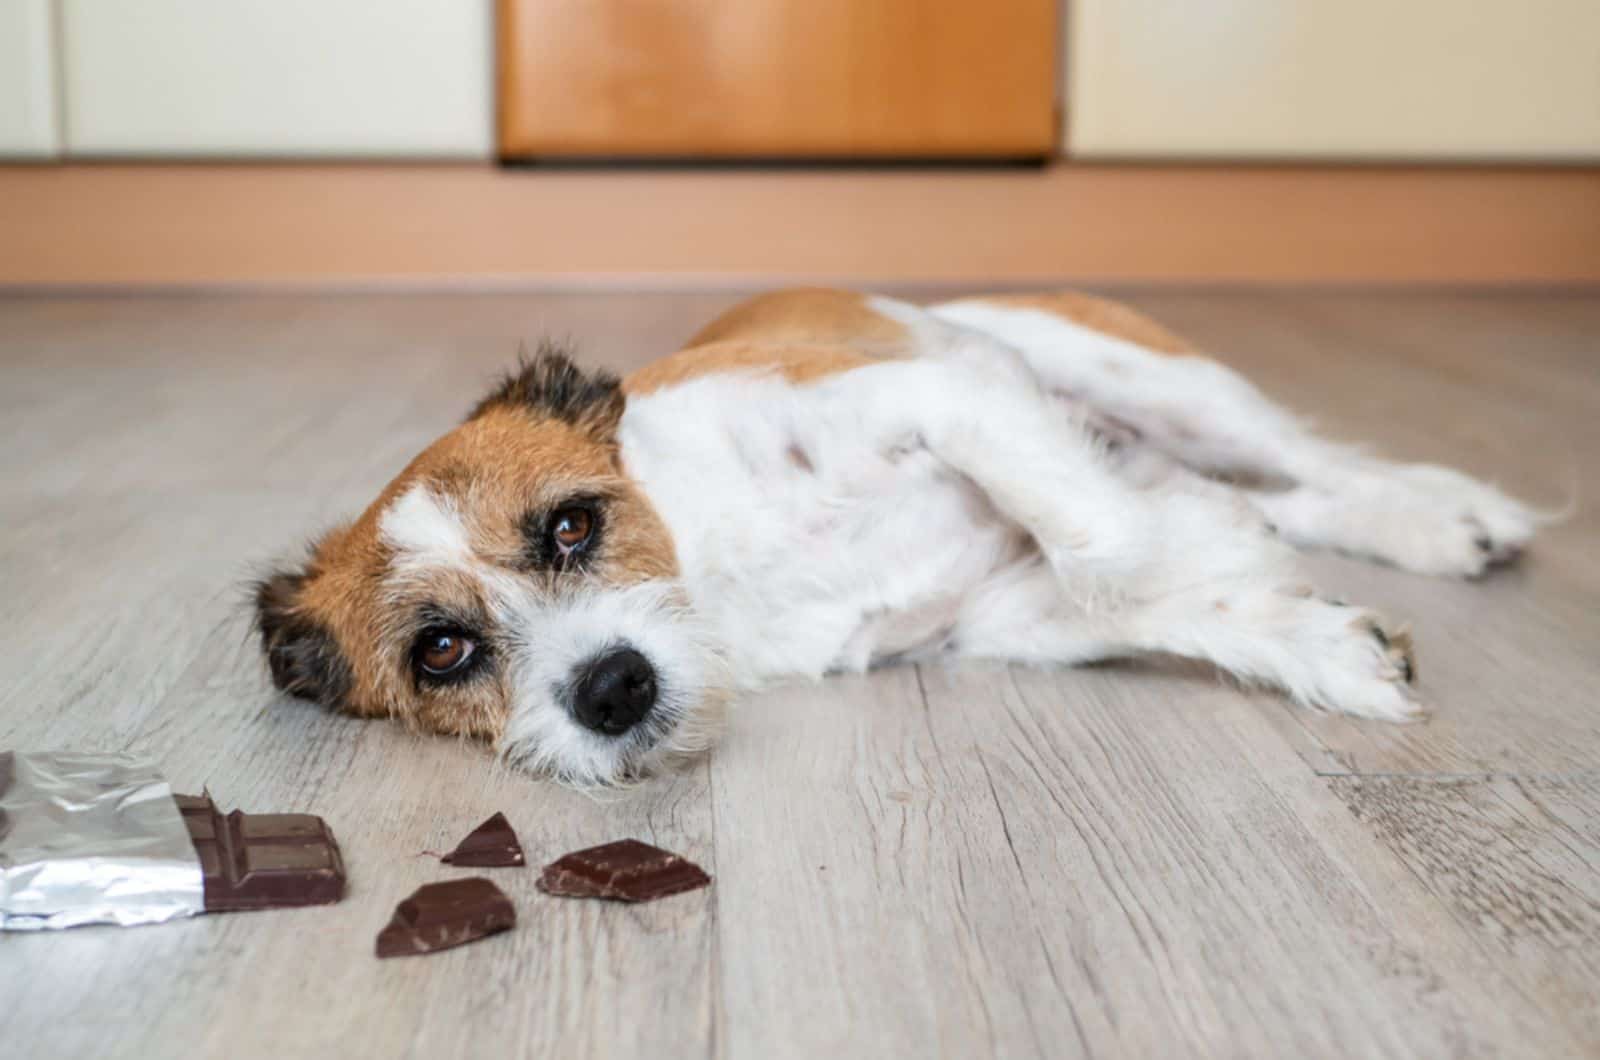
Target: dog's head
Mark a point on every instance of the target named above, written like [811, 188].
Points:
[511, 583]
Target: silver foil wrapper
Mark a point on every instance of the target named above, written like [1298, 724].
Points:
[91, 839]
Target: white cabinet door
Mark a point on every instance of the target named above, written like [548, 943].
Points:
[1455, 79]
[352, 78]
[27, 80]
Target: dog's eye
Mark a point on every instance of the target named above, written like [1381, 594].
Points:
[570, 529]
[443, 651]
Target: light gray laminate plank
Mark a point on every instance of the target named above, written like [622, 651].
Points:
[1517, 863]
[1201, 893]
[868, 901]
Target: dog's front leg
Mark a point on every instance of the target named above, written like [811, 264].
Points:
[987, 418]
[1125, 570]
[1207, 416]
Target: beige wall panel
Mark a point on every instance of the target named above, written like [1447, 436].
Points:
[1426, 79]
[291, 78]
[27, 80]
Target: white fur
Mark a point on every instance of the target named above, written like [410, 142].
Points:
[1209, 418]
[425, 530]
[948, 503]
[546, 638]
[788, 559]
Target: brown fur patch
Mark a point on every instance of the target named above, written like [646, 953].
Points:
[1101, 314]
[796, 362]
[809, 316]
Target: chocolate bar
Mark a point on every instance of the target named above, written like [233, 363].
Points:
[490, 845]
[627, 870]
[262, 860]
[438, 916]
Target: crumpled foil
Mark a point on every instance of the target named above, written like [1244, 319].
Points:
[91, 839]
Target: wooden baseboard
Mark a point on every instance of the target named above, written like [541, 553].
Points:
[96, 225]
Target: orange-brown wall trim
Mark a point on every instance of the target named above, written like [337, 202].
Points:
[103, 224]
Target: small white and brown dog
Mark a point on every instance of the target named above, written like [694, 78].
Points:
[587, 569]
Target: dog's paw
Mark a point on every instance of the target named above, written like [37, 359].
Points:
[1357, 663]
[1477, 526]
[1418, 517]
[1443, 544]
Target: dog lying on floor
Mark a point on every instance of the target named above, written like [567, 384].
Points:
[587, 569]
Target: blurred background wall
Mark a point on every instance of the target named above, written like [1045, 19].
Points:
[750, 141]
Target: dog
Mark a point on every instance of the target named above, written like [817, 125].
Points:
[587, 569]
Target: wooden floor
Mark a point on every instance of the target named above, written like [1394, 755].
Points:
[1124, 860]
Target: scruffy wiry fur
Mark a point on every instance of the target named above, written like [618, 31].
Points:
[554, 636]
[825, 482]
[550, 384]
[300, 651]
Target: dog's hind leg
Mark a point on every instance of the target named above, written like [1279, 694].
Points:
[1206, 416]
[1261, 631]
[1121, 570]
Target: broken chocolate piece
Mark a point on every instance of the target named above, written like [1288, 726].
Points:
[262, 860]
[627, 870]
[438, 916]
[490, 845]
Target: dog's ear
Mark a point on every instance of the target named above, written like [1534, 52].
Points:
[550, 384]
[302, 654]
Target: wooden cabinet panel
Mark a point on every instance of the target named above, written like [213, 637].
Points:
[27, 80]
[350, 78]
[1415, 79]
[777, 78]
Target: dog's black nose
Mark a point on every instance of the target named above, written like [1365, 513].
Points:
[615, 692]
